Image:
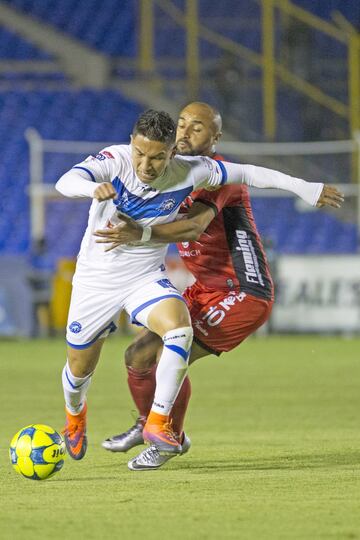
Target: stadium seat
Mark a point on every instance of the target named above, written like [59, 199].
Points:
[90, 116]
[13, 47]
[293, 232]
[91, 21]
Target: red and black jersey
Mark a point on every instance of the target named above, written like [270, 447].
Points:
[229, 254]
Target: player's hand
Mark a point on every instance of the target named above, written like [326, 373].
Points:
[126, 232]
[104, 192]
[330, 196]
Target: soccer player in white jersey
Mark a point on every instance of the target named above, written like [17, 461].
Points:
[147, 182]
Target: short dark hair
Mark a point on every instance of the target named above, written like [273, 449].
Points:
[156, 126]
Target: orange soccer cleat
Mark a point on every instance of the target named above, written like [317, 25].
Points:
[75, 434]
[158, 432]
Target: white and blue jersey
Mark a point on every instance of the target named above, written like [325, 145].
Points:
[147, 204]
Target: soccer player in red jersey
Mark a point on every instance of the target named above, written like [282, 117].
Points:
[233, 291]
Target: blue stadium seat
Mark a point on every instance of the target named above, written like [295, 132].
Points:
[92, 21]
[90, 116]
[13, 47]
[351, 10]
[110, 26]
[294, 232]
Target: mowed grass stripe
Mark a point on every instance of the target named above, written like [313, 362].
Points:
[275, 455]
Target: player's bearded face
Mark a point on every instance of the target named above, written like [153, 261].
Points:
[150, 158]
[194, 135]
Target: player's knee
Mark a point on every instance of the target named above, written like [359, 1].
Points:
[82, 362]
[183, 333]
[180, 337]
[140, 356]
[189, 335]
[131, 355]
[79, 369]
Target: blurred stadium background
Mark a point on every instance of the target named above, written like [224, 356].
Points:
[74, 75]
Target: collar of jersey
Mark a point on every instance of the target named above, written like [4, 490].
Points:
[155, 183]
[146, 187]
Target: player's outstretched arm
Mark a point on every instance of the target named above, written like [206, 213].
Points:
[187, 229]
[314, 193]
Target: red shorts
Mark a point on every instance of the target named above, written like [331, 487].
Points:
[223, 319]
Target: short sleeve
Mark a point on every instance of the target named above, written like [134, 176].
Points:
[208, 173]
[100, 167]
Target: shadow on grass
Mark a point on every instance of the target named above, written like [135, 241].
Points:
[295, 462]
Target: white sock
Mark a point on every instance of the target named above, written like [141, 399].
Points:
[75, 389]
[172, 368]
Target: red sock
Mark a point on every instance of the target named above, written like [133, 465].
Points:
[180, 406]
[142, 385]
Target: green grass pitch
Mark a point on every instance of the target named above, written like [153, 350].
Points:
[275, 427]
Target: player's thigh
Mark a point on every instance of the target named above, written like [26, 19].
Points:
[93, 314]
[158, 306]
[143, 351]
[168, 315]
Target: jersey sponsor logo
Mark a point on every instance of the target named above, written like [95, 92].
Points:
[216, 314]
[168, 204]
[160, 405]
[166, 283]
[165, 339]
[103, 155]
[75, 327]
[185, 245]
[189, 252]
[252, 270]
[107, 154]
[147, 188]
[123, 202]
[209, 164]
[247, 256]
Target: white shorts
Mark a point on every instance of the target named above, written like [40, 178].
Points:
[94, 311]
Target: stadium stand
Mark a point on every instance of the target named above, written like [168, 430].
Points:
[100, 24]
[350, 10]
[22, 62]
[13, 47]
[104, 26]
[292, 231]
[107, 115]
[77, 115]
[89, 115]
[110, 30]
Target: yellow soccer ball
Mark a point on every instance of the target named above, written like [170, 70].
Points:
[37, 452]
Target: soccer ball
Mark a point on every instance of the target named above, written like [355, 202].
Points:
[37, 452]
